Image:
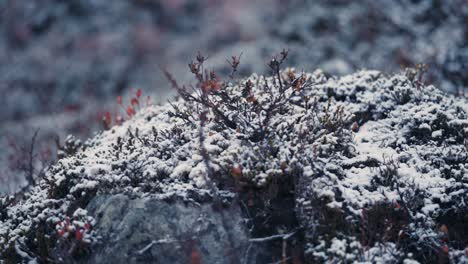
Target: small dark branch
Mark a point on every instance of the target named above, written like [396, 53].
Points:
[200, 58]
[416, 75]
[137, 136]
[275, 65]
[171, 79]
[196, 68]
[247, 90]
[284, 55]
[30, 171]
[229, 123]
[403, 202]
[422, 69]
[274, 237]
[180, 90]
[234, 63]
[184, 115]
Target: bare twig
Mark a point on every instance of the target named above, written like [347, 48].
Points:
[156, 242]
[30, 170]
[275, 65]
[273, 237]
[234, 63]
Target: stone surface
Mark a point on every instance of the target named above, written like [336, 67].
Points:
[148, 230]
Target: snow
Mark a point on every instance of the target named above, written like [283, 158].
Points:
[437, 133]
[338, 247]
[158, 154]
[419, 145]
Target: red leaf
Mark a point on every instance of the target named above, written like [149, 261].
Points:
[130, 111]
[108, 118]
[214, 85]
[72, 108]
[134, 101]
[355, 127]
[138, 93]
[236, 171]
[195, 257]
[445, 249]
[79, 235]
[61, 232]
[443, 229]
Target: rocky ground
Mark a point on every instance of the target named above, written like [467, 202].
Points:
[294, 167]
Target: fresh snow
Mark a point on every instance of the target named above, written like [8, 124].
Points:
[158, 154]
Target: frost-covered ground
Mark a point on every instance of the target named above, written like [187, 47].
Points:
[376, 165]
[65, 62]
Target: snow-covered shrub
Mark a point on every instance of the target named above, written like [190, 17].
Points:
[402, 180]
[365, 167]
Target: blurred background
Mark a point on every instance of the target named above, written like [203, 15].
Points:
[64, 62]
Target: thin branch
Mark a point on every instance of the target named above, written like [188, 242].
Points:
[30, 169]
[274, 237]
[156, 242]
[234, 63]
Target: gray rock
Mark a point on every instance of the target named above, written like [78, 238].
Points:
[148, 230]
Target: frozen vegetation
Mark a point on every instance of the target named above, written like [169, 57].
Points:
[66, 61]
[363, 168]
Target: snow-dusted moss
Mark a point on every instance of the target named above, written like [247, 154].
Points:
[352, 145]
[398, 173]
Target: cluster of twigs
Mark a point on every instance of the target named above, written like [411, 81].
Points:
[248, 113]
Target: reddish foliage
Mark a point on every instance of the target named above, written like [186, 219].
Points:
[236, 171]
[67, 224]
[61, 232]
[64, 227]
[130, 111]
[107, 120]
[78, 235]
[134, 101]
[195, 256]
[355, 127]
[443, 229]
[445, 249]
[71, 108]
